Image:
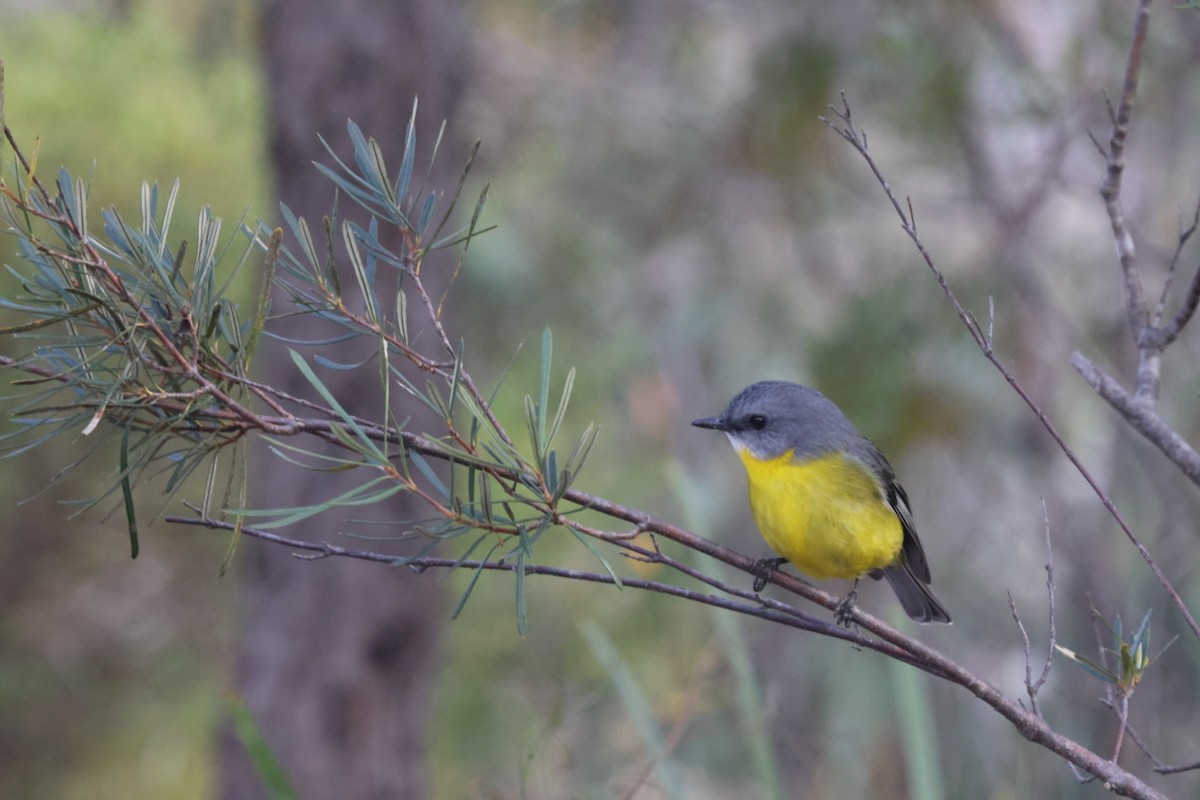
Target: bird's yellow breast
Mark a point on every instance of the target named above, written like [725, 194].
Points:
[825, 515]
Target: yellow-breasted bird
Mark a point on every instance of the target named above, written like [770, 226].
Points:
[824, 497]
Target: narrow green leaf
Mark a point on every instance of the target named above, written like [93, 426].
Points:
[169, 212]
[454, 378]
[472, 473]
[564, 400]
[431, 476]
[522, 614]
[595, 551]
[1090, 666]
[402, 315]
[355, 497]
[270, 262]
[462, 179]
[1142, 637]
[127, 494]
[337, 365]
[551, 475]
[466, 554]
[410, 148]
[360, 273]
[270, 772]
[531, 422]
[582, 449]
[238, 473]
[426, 549]
[379, 173]
[367, 200]
[462, 601]
[544, 385]
[323, 390]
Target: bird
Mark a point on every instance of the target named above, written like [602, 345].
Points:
[823, 496]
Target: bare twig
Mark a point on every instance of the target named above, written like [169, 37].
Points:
[1110, 191]
[1168, 333]
[1123, 716]
[1142, 417]
[747, 603]
[1160, 767]
[1032, 687]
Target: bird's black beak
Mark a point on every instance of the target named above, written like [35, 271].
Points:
[712, 423]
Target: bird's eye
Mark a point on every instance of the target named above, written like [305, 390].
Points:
[756, 421]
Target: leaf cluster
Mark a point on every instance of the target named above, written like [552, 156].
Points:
[125, 336]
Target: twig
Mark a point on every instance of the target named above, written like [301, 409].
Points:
[1032, 687]
[1141, 416]
[1123, 716]
[1159, 766]
[773, 613]
[1168, 333]
[1149, 362]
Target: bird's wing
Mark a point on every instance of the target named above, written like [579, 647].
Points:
[897, 498]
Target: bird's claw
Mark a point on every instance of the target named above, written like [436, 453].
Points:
[762, 569]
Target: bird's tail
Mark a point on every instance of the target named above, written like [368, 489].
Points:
[919, 603]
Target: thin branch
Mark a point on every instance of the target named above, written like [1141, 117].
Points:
[1041, 681]
[1029, 687]
[1140, 416]
[1032, 687]
[1110, 191]
[1168, 333]
[1027, 724]
[1159, 766]
[1123, 716]
[787, 616]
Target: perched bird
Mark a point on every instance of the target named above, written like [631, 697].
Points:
[824, 497]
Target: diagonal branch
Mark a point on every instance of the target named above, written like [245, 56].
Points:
[890, 642]
[1141, 416]
[858, 141]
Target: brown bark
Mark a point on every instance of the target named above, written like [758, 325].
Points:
[336, 660]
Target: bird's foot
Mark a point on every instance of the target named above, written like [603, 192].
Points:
[843, 613]
[762, 569]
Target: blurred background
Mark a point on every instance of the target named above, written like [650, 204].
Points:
[670, 205]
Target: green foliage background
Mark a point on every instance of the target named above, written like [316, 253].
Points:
[669, 204]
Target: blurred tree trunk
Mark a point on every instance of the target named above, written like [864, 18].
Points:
[337, 659]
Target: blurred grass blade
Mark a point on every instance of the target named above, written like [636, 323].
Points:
[637, 706]
[751, 703]
[272, 774]
[918, 733]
